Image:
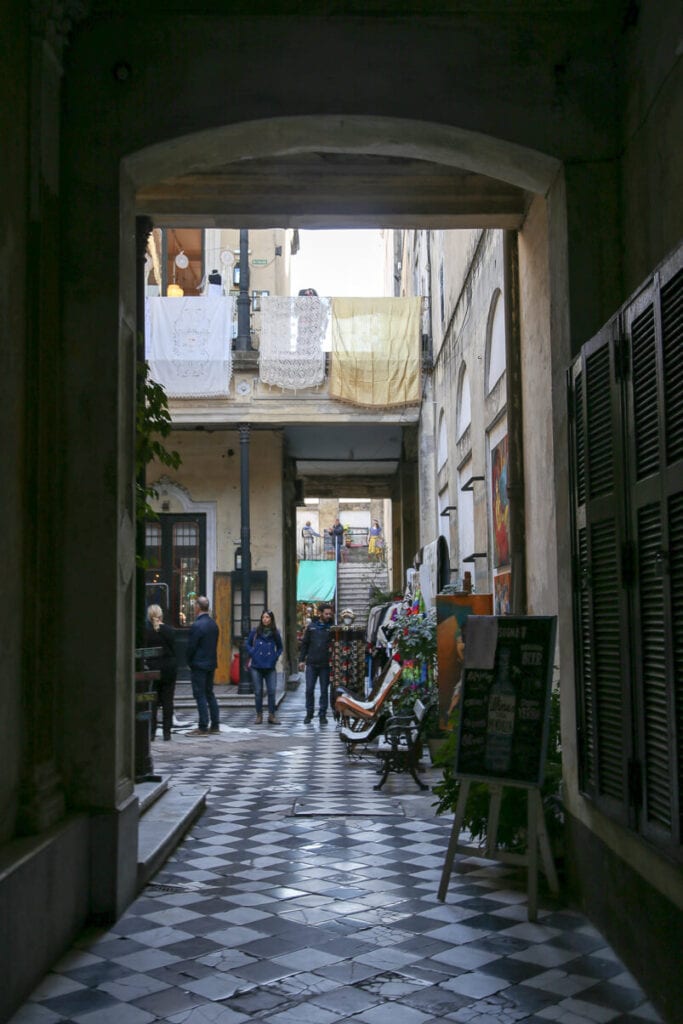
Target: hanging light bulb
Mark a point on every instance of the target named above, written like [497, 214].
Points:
[174, 291]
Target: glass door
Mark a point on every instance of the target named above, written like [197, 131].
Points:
[175, 552]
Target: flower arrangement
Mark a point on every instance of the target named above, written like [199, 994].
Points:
[414, 642]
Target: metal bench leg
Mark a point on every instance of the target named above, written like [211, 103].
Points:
[413, 772]
[385, 776]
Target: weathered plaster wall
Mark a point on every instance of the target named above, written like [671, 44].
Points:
[210, 474]
[652, 169]
[478, 278]
[537, 396]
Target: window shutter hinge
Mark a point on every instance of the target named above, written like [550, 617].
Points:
[628, 563]
[635, 783]
[621, 358]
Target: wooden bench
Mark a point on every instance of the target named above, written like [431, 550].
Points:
[399, 746]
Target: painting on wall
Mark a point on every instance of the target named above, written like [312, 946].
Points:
[452, 611]
[499, 503]
[501, 593]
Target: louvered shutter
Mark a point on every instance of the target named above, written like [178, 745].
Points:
[653, 326]
[600, 597]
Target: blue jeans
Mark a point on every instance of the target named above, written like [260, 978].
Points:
[202, 691]
[259, 676]
[313, 674]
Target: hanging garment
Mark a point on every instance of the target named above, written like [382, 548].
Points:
[188, 345]
[316, 581]
[376, 351]
[291, 346]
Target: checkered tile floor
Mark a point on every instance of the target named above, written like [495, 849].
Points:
[303, 897]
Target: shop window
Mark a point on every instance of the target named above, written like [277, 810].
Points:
[258, 600]
[495, 343]
[175, 574]
[464, 401]
[442, 445]
[153, 545]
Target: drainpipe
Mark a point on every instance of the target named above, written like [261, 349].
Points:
[243, 340]
[513, 380]
[143, 229]
[245, 685]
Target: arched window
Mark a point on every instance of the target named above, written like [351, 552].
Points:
[495, 348]
[442, 445]
[464, 402]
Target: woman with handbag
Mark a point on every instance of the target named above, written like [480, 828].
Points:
[376, 541]
[158, 634]
[264, 646]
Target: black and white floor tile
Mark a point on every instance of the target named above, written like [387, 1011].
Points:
[302, 896]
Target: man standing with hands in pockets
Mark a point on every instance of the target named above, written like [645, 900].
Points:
[314, 656]
[202, 645]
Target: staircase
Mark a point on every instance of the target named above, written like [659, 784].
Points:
[166, 813]
[355, 583]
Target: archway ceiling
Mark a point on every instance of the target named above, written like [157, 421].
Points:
[358, 458]
[324, 189]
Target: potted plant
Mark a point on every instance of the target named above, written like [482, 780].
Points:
[511, 833]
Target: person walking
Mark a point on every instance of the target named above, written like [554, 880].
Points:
[202, 646]
[158, 634]
[314, 656]
[264, 646]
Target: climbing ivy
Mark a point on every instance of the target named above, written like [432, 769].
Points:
[153, 424]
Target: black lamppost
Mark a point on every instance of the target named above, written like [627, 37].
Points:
[245, 685]
[243, 341]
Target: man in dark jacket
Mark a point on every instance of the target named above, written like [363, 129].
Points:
[202, 645]
[314, 656]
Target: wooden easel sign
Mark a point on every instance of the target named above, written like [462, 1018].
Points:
[503, 733]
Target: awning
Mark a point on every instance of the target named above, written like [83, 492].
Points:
[316, 581]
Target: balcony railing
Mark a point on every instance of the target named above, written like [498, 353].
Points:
[353, 548]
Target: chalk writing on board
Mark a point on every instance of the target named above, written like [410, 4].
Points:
[504, 709]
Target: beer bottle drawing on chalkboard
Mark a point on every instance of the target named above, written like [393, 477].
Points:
[501, 717]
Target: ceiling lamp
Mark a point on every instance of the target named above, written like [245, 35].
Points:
[174, 291]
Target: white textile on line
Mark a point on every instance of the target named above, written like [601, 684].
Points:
[189, 345]
[292, 333]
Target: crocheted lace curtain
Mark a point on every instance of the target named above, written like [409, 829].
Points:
[189, 345]
[292, 331]
[376, 351]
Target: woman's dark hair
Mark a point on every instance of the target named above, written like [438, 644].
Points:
[266, 611]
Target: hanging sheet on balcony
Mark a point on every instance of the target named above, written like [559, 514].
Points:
[292, 333]
[316, 581]
[376, 351]
[189, 345]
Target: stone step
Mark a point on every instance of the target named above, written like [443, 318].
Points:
[166, 813]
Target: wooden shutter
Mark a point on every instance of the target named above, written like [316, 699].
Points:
[653, 327]
[600, 572]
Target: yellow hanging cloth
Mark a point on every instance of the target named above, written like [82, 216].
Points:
[375, 358]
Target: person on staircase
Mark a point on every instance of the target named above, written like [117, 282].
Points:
[264, 646]
[376, 542]
[314, 656]
[337, 534]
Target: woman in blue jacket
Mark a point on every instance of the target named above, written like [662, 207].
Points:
[264, 646]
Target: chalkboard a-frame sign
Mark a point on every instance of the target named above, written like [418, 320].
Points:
[505, 699]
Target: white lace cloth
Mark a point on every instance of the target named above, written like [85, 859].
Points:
[188, 345]
[292, 333]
